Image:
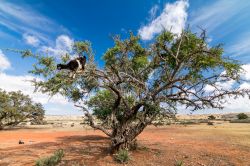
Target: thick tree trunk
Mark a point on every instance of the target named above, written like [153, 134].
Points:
[122, 144]
[127, 145]
[124, 137]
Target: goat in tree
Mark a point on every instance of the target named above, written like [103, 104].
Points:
[75, 66]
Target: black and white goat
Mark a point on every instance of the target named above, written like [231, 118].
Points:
[75, 66]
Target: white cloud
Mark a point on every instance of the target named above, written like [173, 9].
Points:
[245, 85]
[4, 62]
[31, 40]
[246, 74]
[63, 45]
[241, 104]
[22, 83]
[209, 88]
[221, 85]
[173, 17]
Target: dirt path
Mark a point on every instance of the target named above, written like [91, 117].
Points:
[223, 144]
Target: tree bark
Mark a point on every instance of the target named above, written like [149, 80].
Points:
[123, 138]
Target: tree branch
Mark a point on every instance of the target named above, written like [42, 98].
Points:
[91, 121]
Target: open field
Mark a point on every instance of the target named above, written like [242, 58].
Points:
[222, 144]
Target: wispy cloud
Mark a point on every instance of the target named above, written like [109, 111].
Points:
[23, 19]
[152, 12]
[173, 17]
[215, 15]
[4, 62]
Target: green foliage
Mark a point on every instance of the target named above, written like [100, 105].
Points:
[242, 116]
[51, 160]
[211, 117]
[16, 107]
[102, 104]
[122, 156]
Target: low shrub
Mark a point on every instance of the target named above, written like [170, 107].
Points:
[122, 156]
[242, 116]
[211, 117]
[51, 160]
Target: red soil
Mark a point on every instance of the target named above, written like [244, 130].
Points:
[157, 146]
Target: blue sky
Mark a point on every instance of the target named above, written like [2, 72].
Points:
[52, 26]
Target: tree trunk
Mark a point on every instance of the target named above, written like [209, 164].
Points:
[120, 144]
[124, 137]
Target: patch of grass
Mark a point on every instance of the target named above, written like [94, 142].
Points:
[122, 156]
[179, 163]
[51, 160]
[143, 148]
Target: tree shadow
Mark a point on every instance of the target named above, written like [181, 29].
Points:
[78, 149]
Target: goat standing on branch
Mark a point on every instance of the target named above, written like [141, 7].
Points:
[75, 66]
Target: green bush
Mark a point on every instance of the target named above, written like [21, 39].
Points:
[122, 156]
[211, 117]
[242, 116]
[51, 160]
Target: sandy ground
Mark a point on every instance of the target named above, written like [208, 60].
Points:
[224, 144]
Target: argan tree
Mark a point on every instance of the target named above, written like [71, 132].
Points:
[16, 107]
[139, 83]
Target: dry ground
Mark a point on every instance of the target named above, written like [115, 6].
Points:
[202, 145]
